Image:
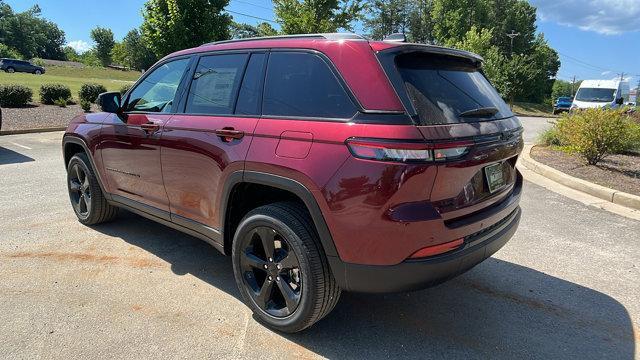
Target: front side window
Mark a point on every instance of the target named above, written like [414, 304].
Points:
[302, 84]
[157, 90]
[215, 84]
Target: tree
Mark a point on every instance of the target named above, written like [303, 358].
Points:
[7, 52]
[104, 44]
[30, 35]
[172, 25]
[243, 31]
[119, 55]
[387, 17]
[139, 54]
[312, 16]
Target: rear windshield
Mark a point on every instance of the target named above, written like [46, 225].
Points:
[595, 94]
[443, 88]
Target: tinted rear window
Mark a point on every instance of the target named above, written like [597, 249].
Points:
[442, 88]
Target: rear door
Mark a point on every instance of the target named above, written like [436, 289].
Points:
[210, 138]
[476, 137]
[130, 142]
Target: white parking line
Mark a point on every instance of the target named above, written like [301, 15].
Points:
[22, 146]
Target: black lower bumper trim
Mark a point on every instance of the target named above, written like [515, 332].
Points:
[420, 274]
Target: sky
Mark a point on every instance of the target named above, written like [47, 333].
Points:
[596, 39]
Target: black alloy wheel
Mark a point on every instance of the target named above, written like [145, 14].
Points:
[281, 269]
[271, 271]
[79, 190]
[88, 201]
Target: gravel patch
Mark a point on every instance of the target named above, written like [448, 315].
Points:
[619, 172]
[38, 117]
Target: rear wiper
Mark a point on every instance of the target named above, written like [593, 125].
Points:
[480, 112]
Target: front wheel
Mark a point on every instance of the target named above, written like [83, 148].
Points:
[281, 269]
[86, 196]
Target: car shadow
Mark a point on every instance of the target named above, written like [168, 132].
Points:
[497, 310]
[11, 157]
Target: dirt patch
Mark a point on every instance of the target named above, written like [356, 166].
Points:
[619, 172]
[38, 117]
[138, 263]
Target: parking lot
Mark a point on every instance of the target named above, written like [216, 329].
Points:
[566, 286]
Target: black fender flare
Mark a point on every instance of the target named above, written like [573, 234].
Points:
[282, 183]
[79, 141]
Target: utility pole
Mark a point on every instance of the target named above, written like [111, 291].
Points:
[512, 36]
[573, 84]
[622, 76]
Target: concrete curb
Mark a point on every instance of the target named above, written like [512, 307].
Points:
[31, 131]
[604, 193]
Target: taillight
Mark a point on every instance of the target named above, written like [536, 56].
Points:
[385, 150]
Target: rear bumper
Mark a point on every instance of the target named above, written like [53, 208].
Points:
[423, 273]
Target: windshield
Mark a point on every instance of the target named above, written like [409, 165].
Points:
[595, 94]
[447, 90]
[565, 99]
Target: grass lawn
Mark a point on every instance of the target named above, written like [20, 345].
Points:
[113, 80]
[529, 109]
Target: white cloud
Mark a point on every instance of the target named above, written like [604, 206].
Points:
[79, 46]
[605, 73]
[609, 17]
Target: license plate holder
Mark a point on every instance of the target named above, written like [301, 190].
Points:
[495, 176]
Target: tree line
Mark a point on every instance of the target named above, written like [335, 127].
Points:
[522, 67]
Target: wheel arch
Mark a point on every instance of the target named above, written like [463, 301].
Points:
[286, 185]
[72, 145]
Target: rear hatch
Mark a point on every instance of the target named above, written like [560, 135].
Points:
[476, 137]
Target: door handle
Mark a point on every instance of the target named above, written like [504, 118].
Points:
[228, 134]
[150, 127]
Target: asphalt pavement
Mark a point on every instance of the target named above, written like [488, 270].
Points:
[566, 286]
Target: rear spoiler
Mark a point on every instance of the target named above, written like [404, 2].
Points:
[400, 48]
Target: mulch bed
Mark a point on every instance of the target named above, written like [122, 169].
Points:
[619, 172]
[38, 117]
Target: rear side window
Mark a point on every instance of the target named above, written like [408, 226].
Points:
[447, 90]
[250, 94]
[302, 84]
[215, 84]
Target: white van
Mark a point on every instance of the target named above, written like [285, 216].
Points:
[600, 94]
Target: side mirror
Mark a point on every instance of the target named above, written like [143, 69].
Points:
[109, 102]
[620, 101]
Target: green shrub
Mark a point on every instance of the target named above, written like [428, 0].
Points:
[60, 102]
[49, 93]
[125, 88]
[38, 62]
[550, 137]
[90, 91]
[85, 105]
[15, 95]
[596, 133]
[7, 52]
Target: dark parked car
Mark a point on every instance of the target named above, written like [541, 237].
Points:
[13, 65]
[563, 103]
[319, 163]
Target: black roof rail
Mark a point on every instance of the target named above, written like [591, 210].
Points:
[326, 36]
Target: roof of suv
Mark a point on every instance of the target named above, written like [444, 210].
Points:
[347, 52]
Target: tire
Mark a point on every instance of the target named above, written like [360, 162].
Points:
[315, 289]
[84, 189]
[11, 70]
[38, 72]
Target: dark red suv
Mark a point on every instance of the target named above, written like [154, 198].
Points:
[320, 163]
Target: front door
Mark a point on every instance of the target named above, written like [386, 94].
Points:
[130, 142]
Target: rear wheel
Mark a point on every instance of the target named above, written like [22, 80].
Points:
[38, 72]
[11, 70]
[85, 194]
[281, 269]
